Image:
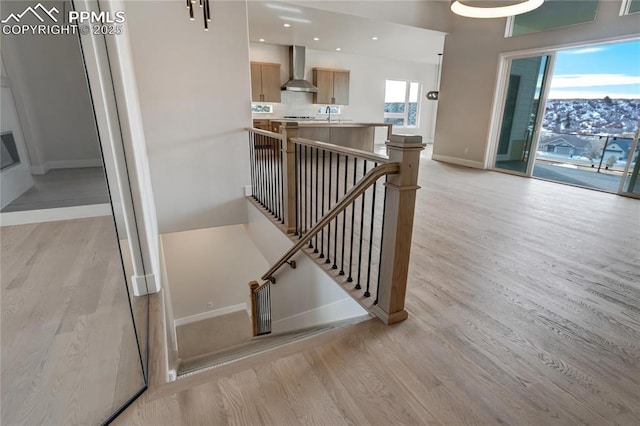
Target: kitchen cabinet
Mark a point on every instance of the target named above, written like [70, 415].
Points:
[333, 86]
[262, 124]
[265, 82]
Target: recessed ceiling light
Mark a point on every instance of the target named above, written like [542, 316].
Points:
[261, 39]
[338, 49]
[374, 38]
[292, 19]
[287, 25]
[283, 8]
[316, 39]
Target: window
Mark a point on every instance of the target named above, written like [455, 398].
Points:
[261, 109]
[552, 14]
[630, 6]
[401, 103]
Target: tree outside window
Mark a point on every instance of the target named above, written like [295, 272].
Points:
[401, 103]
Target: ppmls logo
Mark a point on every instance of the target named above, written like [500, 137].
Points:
[83, 22]
[33, 11]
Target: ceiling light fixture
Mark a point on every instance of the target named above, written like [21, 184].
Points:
[316, 39]
[261, 39]
[374, 38]
[286, 25]
[338, 49]
[463, 8]
[204, 4]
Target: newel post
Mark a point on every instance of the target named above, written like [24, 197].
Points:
[289, 131]
[398, 227]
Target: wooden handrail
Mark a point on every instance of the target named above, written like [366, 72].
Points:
[266, 133]
[351, 152]
[364, 184]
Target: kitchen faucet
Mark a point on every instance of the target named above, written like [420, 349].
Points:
[328, 111]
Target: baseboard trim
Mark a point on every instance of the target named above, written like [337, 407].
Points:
[210, 314]
[65, 164]
[53, 215]
[458, 161]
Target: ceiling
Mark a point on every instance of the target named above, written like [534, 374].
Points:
[352, 34]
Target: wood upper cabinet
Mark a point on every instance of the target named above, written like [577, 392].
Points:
[265, 82]
[333, 86]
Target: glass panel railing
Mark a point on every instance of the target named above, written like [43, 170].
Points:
[593, 161]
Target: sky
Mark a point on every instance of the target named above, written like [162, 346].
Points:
[597, 71]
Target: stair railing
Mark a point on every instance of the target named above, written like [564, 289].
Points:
[338, 210]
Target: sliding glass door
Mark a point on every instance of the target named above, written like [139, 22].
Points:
[521, 113]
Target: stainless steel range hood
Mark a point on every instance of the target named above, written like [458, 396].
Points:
[296, 72]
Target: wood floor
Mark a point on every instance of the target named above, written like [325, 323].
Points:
[524, 308]
[63, 188]
[68, 347]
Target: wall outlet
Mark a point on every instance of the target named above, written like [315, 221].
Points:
[210, 305]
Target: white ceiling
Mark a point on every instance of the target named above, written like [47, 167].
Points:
[352, 34]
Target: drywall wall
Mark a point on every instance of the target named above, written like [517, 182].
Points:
[212, 265]
[302, 297]
[366, 85]
[15, 179]
[52, 97]
[469, 70]
[194, 95]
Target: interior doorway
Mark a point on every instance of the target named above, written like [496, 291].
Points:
[571, 116]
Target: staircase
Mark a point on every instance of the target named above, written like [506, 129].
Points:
[350, 211]
[256, 346]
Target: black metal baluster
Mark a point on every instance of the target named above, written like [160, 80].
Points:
[344, 214]
[281, 178]
[274, 177]
[353, 212]
[335, 227]
[384, 207]
[329, 208]
[277, 153]
[373, 216]
[315, 250]
[358, 286]
[322, 230]
[259, 170]
[295, 184]
[271, 177]
[252, 162]
[305, 189]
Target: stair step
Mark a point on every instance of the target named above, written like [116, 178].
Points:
[257, 346]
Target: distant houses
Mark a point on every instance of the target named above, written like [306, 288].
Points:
[585, 146]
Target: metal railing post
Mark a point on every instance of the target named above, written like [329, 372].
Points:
[289, 131]
[398, 227]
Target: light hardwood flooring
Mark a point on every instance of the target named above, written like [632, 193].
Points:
[68, 349]
[524, 308]
[63, 188]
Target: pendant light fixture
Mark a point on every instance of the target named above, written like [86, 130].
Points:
[204, 5]
[435, 94]
[512, 7]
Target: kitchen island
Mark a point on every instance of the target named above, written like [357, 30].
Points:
[344, 133]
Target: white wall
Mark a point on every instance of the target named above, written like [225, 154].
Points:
[195, 101]
[16, 179]
[470, 65]
[366, 86]
[210, 265]
[52, 98]
[302, 297]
